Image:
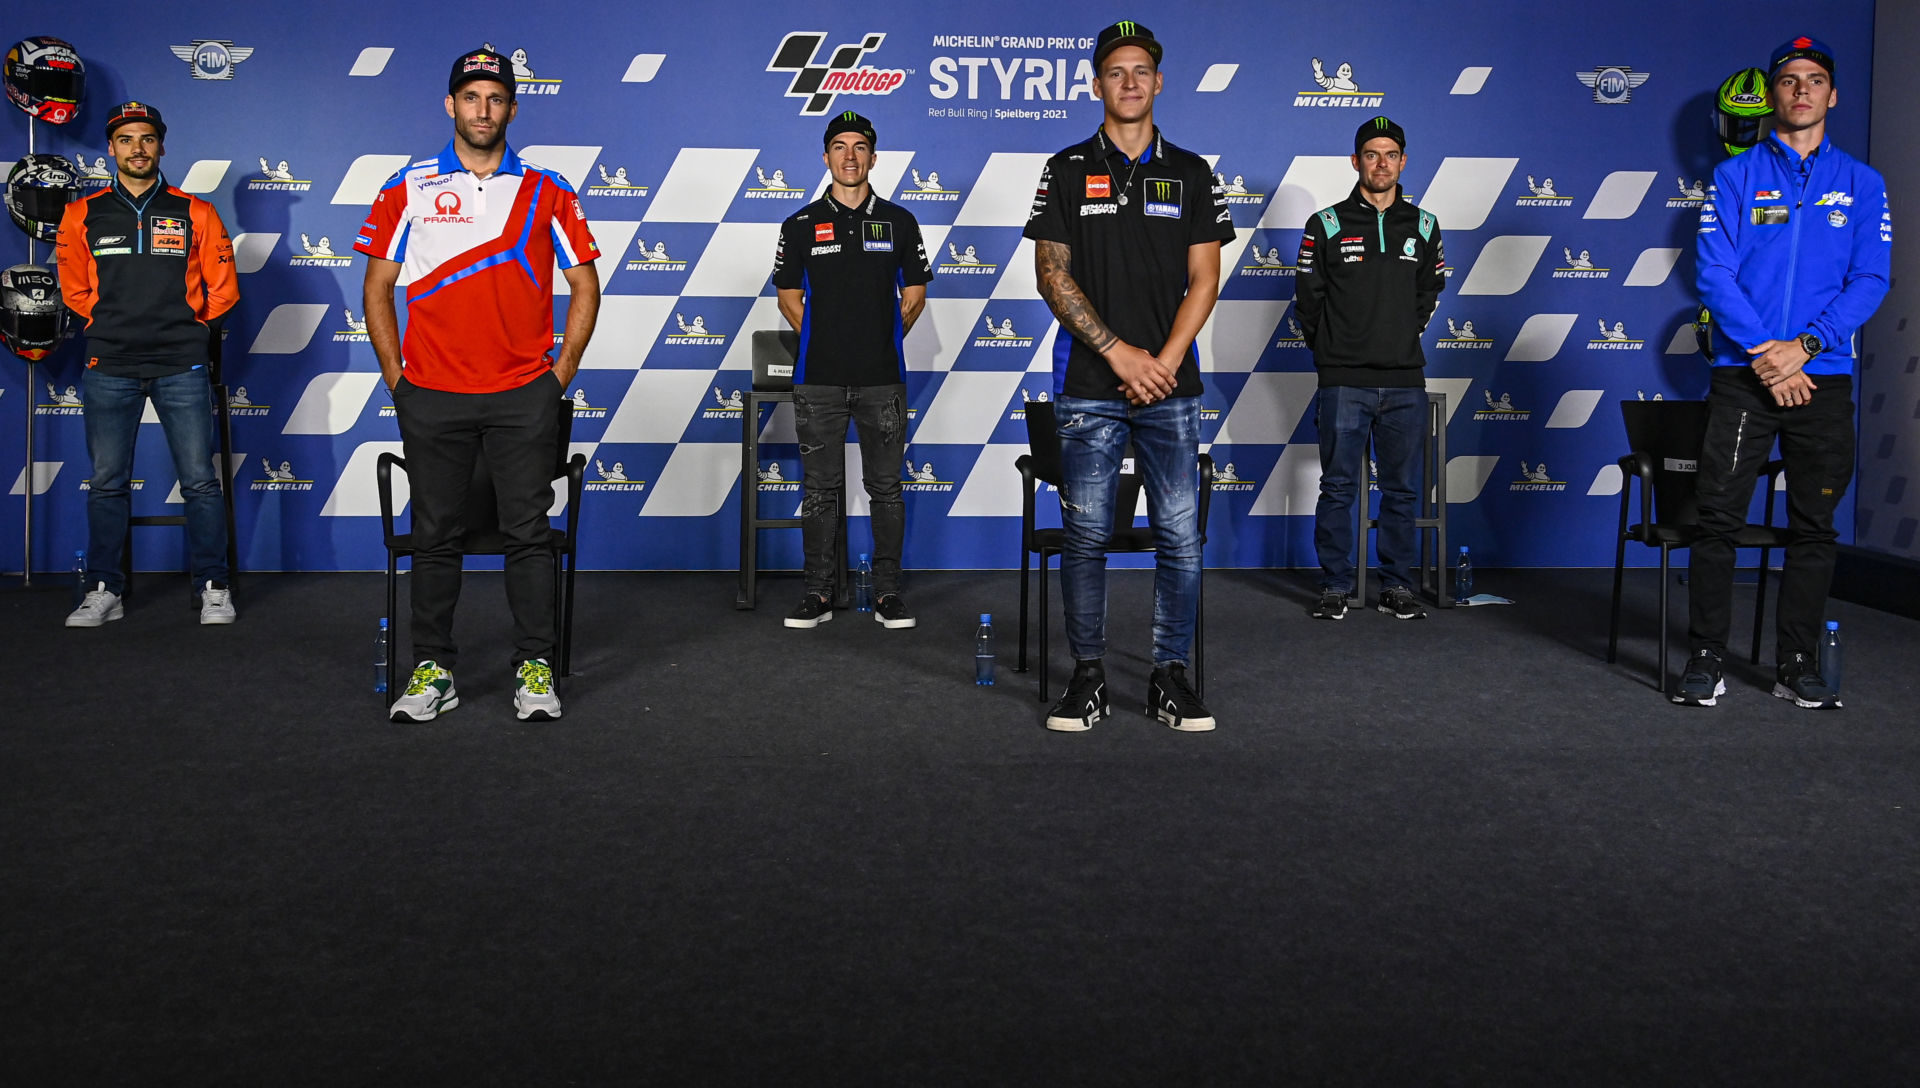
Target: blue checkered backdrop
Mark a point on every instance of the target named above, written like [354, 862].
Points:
[1564, 151]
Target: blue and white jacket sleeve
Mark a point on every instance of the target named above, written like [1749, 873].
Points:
[1717, 259]
[1869, 268]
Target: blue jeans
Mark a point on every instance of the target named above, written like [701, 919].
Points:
[1395, 420]
[184, 403]
[1166, 451]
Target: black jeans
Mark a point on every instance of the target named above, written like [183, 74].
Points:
[879, 414]
[1816, 443]
[518, 431]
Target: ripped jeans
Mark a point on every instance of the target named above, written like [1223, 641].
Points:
[879, 414]
[1166, 445]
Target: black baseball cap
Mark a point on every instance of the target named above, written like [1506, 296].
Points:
[1125, 32]
[126, 113]
[849, 121]
[481, 63]
[1800, 48]
[1374, 128]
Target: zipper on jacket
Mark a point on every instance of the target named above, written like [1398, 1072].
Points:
[1793, 249]
[1382, 218]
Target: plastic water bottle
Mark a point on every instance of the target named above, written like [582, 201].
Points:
[1463, 577]
[79, 577]
[863, 585]
[983, 651]
[380, 658]
[1830, 656]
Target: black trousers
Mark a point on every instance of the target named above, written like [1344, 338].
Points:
[518, 431]
[1817, 445]
[879, 414]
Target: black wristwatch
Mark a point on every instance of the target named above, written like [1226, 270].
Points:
[1811, 344]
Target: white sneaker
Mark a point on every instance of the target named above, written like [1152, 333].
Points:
[216, 605]
[429, 694]
[99, 607]
[534, 699]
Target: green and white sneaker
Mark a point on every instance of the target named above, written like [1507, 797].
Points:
[534, 700]
[429, 694]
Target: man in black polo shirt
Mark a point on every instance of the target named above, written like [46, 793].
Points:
[1127, 231]
[852, 276]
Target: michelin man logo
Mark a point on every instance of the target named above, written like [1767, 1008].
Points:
[613, 479]
[1293, 336]
[965, 262]
[355, 332]
[1265, 264]
[1543, 194]
[655, 259]
[1612, 84]
[773, 187]
[214, 58]
[1027, 398]
[618, 474]
[280, 479]
[922, 475]
[1641, 394]
[1463, 337]
[1579, 267]
[1227, 478]
[1338, 89]
[277, 178]
[615, 184]
[319, 254]
[1614, 338]
[1695, 191]
[61, 404]
[239, 404]
[971, 256]
[1001, 335]
[525, 82]
[694, 332]
[772, 474]
[1235, 191]
[1503, 409]
[97, 172]
[1536, 478]
[730, 402]
[928, 188]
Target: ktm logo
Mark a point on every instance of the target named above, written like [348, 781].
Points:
[842, 73]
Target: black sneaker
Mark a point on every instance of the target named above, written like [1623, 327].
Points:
[1171, 699]
[1701, 684]
[1400, 603]
[811, 612]
[1332, 606]
[891, 612]
[1799, 679]
[1085, 701]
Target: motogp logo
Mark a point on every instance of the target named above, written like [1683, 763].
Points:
[841, 74]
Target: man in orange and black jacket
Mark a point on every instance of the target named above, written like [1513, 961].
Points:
[148, 268]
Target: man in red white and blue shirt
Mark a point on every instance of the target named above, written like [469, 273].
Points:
[477, 232]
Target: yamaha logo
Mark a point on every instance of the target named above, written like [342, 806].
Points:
[842, 74]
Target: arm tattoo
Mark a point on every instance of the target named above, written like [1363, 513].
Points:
[1064, 297]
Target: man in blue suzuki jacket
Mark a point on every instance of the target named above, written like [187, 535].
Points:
[1793, 252]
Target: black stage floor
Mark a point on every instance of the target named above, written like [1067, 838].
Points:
[1460, 850]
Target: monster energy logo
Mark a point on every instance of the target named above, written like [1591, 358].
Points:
[1163, 198]
[876, 230]
[879, 237]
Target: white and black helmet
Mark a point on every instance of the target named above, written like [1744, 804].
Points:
[46, 77]
[33, 316]
[39, 188]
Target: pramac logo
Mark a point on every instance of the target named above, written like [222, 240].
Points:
[446, 209]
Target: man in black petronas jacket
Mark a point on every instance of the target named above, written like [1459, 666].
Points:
[1370, 271]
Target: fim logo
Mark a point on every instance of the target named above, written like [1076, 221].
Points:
[928, 189]
[1028, 398]
[277, 179]
[1293, 336]
[132, 485]
[819, 84]
[774, 478]
[924, 478]
[1226, 479]
[696, 333]
[615, 184]
[775, 187]
[214, 58]
[1543, 195]
[61, 404]
[1612, 84]
[655, 259]
[280, 479]
[1580, 268]
[725, 405]
[1462, 337]
[354, 333]
[320, 254]
[98, 175]
[1270, 263]
[1614, 339]
[239, 405]
[583, 410]
[1536, 479]
[1001, 336]
[965, 263]
[1691, 196]
[525, 82]
[1236, 191]
[613, 479]
[1337, 89]
[1502, 409]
